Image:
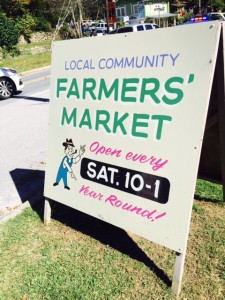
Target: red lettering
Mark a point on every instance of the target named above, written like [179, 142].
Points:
[111, 199]
[141, 158]
[85, 190]
[98, 149]
[118, 203]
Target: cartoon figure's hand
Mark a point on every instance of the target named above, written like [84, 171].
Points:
[82, 149]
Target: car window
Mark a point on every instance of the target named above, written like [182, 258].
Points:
[125, 29]
[148, 27]
[216, 17]
[156, 26]
[140, 27]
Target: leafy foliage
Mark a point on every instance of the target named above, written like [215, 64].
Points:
[202, 6]
[42, 15]
[218, 5]
[10, 52]
[90, 9]
[94, 11]
[9, 33]
[26, 25]
[187, 17]
[13, 8]
[42, 25]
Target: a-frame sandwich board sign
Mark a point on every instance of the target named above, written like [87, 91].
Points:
[126, 129]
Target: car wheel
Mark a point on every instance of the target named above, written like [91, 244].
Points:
[7, 88]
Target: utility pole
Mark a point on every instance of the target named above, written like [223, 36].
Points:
[199, 6]
[107, 14]
[80, 17]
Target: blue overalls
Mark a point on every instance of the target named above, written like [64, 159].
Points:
[63, 170]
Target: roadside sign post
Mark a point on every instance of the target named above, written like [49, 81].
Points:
[126, 130]
[178, 272]
[47, 212]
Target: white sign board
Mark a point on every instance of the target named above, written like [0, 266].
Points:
[127, 117]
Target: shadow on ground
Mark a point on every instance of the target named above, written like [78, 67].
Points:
[31, 98]
[30, 185]
[210, 200]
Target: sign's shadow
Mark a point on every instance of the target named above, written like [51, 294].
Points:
[30, 186]
[31, 98]
[106, 234]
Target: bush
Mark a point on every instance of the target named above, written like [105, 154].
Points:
[42, 24]
[9, 34]
[10, 52]
[187, 17]
[26, 25]
[66, 32]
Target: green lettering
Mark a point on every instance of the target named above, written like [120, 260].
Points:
[59, 87]
[118, 122]
[150, 92]
[127, 88]
[172, 90]
[89, 85]
[102, 118]
[160, 119]
[108, 92]
[69, 118]
[73, 91]
[86, 119]
[137, 123]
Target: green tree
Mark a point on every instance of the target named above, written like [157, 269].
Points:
[217, 5]
[202, 5]
[94, 10]
[9, 33]
[13, 8]
[26, 25]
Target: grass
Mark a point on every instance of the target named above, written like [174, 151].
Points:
[79, 257]
[28, 62]
[31, 45]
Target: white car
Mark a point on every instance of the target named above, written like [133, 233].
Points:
[216, 16]
[135, 28]
[10, 83]
[99, 32]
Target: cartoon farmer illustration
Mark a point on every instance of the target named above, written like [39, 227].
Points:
[68, 160]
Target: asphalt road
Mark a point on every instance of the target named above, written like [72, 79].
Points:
[23, 135]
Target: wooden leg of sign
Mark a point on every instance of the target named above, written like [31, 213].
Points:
[47, 212]
[178, 273]
[220, 77]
